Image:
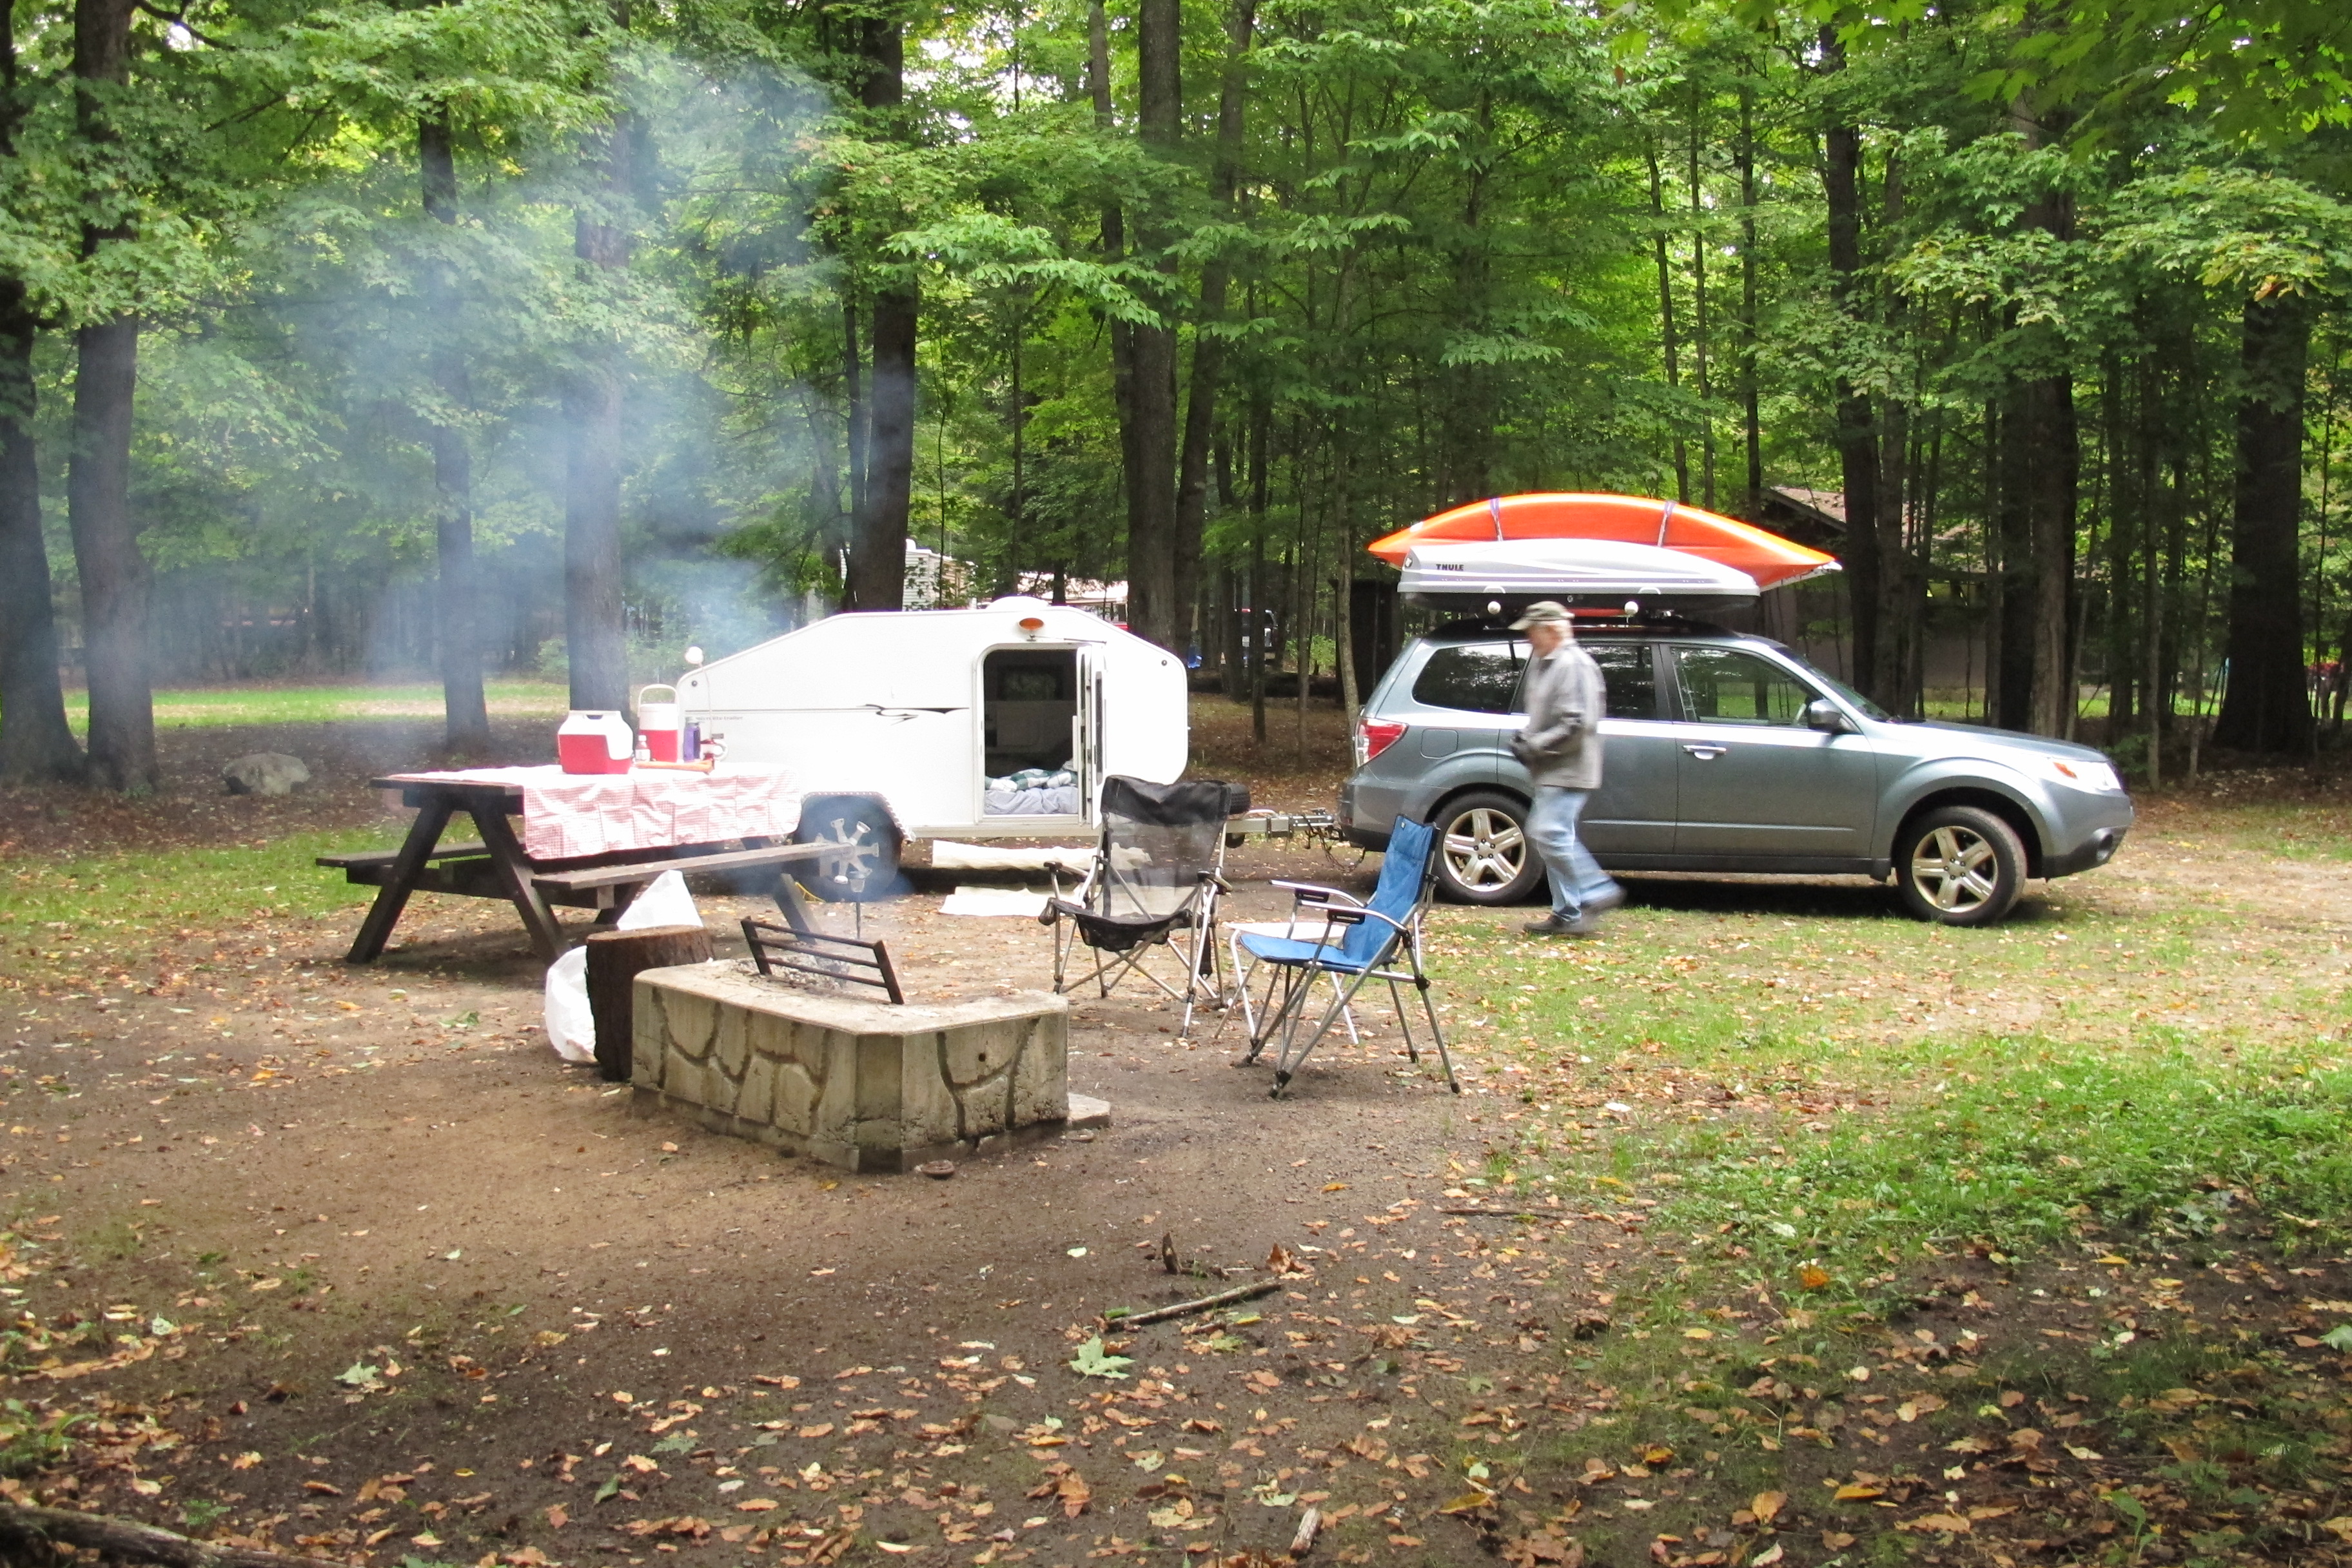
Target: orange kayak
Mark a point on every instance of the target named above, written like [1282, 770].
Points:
[1772, 560]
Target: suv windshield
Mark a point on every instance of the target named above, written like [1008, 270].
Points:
[1869, 710]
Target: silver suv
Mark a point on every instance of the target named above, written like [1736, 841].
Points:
[1728, 752]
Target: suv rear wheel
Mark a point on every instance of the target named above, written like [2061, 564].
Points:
[1959, 865]
[1483, 854]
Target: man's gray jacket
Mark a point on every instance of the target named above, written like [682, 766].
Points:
[1566, 699]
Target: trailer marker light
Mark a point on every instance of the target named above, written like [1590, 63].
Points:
[1032, 625]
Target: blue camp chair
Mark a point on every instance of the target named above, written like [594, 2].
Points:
[1360, 941]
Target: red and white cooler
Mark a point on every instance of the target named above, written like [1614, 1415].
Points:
[597, 743]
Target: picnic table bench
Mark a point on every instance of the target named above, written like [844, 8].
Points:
[497, 866]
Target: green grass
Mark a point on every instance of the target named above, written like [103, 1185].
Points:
[211, 706]
[88, 915]
[1812, 1096]
[2029, 1145]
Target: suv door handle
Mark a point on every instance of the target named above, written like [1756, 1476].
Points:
[1705, 751]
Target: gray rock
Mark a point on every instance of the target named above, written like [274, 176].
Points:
[265, 773]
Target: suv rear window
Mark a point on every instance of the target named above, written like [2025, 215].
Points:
[1477, 677]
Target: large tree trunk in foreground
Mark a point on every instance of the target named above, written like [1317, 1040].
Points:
[1209, 349]
[35, 746]
[595, 631]
[878, 550]
[1154, 611]
[97, 484]
[2267, 707]
[466, 718]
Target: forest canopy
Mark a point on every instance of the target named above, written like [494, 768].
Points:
[493, 336]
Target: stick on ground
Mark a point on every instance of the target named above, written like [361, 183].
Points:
[1179, 1309]
[26, 1530]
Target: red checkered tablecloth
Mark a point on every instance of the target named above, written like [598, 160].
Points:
[569, 815]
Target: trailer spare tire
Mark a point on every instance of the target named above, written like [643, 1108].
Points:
[861, 859]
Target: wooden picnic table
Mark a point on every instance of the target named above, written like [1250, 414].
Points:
[497, 866]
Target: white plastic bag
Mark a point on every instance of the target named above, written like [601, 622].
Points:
[570, 1026]
[665, 903]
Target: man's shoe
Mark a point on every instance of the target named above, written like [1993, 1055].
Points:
[1601, 903]
[1552, 925]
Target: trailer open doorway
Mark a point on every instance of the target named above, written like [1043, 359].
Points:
[1036, 753]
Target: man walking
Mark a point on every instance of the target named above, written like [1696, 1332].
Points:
[1560, 748]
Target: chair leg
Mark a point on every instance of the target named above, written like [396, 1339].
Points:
[1405, 1022]
[1287, 1063]
[1445, 1058]
[1293, 995]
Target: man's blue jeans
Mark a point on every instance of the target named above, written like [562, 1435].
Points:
[1576, 876]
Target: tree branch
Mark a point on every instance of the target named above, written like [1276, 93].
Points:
[181, 21]
[26, 1529]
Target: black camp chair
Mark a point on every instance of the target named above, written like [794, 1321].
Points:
[1151, 890]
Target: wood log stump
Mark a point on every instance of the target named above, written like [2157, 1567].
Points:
[30, 1534]
[616, 958]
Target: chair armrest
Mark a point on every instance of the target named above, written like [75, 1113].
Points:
[1323, 895]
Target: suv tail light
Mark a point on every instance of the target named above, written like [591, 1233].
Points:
[1374, 736]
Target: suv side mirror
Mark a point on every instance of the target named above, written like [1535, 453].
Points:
[1826, 716]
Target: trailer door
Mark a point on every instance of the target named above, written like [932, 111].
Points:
[1086, 744]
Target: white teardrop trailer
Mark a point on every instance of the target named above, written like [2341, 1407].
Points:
[897, 722]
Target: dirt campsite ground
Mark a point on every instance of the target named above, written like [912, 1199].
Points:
[344, 1261]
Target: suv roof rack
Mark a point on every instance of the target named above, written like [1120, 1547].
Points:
[1658, 620]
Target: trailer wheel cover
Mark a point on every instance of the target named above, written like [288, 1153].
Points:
[862, 854]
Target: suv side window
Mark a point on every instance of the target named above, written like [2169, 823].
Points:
[1627, 673]
[1728, 686]
[1477, 677]
[1631, 677]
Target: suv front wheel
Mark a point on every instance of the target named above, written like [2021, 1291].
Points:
[1484, 856]
[1959, 865]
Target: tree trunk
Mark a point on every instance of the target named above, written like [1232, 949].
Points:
[616, 958]
[2011, 675]
[1154, 610]
[2055, 445]
[1857, 443]
[595, 630]
[466, 718]
[2050, 461]
[2267, 707]
[36, 745]
[1261, 437]
[98, 483]
[1114, 248]
[1666, 314]
[1209, 349]
[1698, 312]
[1750, 398]
[878, 550]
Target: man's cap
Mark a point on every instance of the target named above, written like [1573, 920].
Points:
[1543, 611]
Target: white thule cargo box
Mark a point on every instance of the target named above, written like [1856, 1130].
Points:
[1496, 577]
